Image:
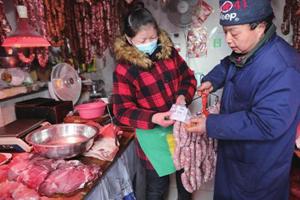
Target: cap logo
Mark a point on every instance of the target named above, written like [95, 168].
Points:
[226, 6]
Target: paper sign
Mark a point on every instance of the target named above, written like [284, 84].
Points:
[179, 113]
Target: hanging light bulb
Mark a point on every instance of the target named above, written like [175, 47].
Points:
[24, 36]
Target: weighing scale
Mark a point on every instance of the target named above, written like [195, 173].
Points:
[12, 135]
[65, 85]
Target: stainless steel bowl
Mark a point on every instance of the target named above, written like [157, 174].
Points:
[62, 141]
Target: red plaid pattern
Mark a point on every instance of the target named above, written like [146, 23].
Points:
[140, 93]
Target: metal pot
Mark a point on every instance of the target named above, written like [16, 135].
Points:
[62, 141]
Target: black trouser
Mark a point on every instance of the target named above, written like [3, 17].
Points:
[157, 187]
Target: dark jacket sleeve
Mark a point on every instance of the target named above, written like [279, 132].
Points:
[218, 74]
[124, 103]
[275, 106]
[188, 81]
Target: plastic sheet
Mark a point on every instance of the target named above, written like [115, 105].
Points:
[197, 42]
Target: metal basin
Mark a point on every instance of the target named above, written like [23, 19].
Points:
[62, 141]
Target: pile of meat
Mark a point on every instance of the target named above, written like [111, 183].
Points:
[30, 175]
[196, 154]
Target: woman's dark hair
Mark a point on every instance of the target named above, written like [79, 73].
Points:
[268, 20]
[137, 18]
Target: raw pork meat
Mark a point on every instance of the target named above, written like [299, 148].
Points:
[3, 172]
[47, 176]
[18, 164]
[68, 178]
[11, 190]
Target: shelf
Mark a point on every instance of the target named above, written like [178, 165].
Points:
[22, 96]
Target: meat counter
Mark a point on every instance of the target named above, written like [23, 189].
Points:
[117, 178]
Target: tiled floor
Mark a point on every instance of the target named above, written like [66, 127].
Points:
[205, 192]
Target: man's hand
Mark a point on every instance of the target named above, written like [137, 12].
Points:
[197, 125]
[162, 119]
[206, 87]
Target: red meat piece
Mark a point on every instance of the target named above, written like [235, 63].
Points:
[69, 177]
[3, 172]
[11, 190]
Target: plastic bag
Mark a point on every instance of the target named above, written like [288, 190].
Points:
[197, 42]
[201, 13]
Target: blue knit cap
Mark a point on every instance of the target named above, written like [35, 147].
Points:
[235, 12]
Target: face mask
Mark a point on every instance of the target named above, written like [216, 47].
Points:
[147, 48]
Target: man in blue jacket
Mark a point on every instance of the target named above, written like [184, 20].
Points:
[260, 106]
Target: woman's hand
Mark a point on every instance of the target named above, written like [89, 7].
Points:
[197, 125]
[206, 87]
[180, 100]
[162, 119]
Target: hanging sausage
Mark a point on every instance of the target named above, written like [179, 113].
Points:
[291, 17]
[5, 27]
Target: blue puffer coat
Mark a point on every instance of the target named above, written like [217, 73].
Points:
[260, 110]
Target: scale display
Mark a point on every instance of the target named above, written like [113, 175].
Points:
[12, 135]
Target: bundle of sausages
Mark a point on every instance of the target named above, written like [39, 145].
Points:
[91, 27]
[196, 154]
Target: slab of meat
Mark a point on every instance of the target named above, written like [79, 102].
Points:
[11, 190]
[18, 164]
[24, 168]
[40, 166]
[3, 172]
[68, 178]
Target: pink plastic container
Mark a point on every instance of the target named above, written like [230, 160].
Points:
[91, 110]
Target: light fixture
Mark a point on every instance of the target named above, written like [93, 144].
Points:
[24, 36]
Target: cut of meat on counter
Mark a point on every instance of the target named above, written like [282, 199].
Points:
[2, 158]
[14, 190]
[54, 176]
[67, 178]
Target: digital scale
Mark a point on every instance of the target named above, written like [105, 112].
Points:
[12, 135]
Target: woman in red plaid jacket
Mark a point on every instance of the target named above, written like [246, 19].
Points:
[150, 76]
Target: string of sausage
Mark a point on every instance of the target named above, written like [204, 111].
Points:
[196, 154]
[204, 98]
[55, 21]
[96, 27]
[290, 18]
[92, 30]
[4, 27]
